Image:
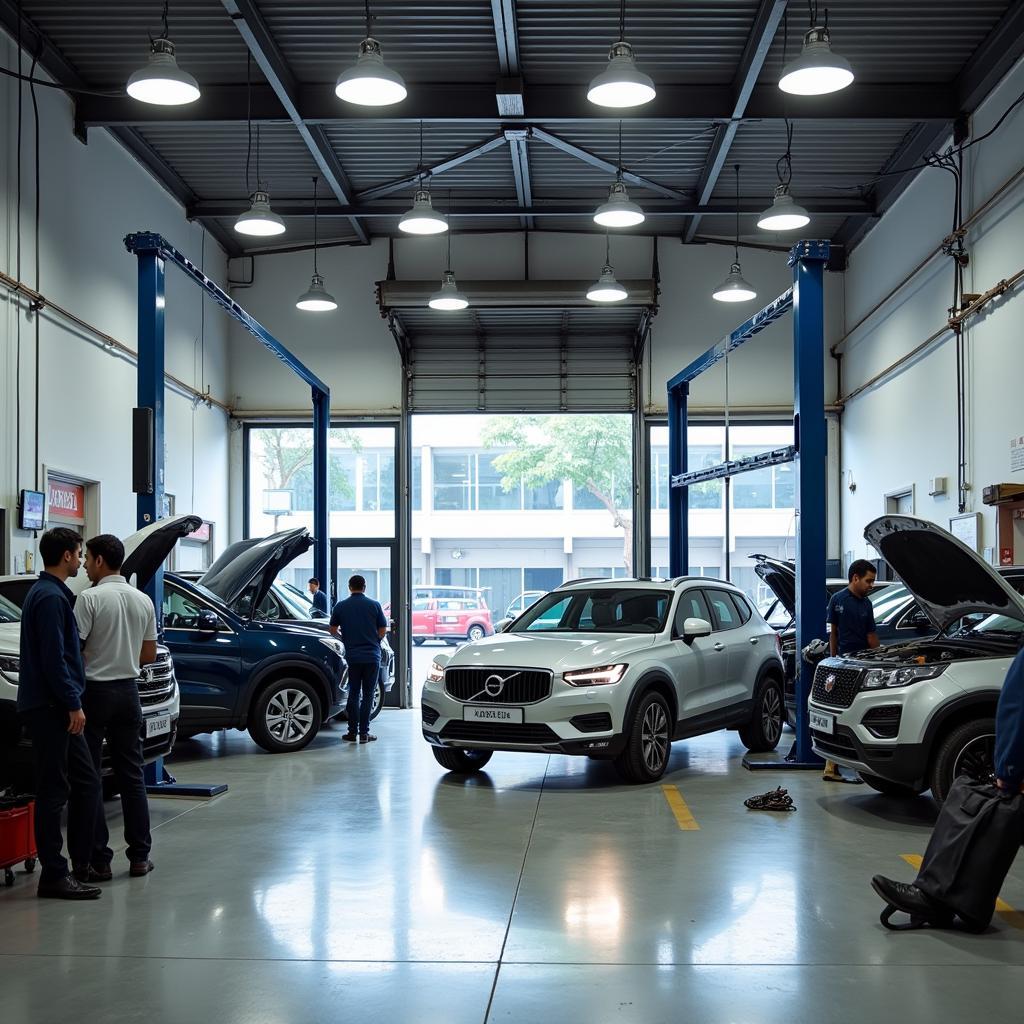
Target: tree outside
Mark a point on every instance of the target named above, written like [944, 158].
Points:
[594, 452]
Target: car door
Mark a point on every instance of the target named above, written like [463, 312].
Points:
[207, 662]
[424, 617]
[698, 666]
[735, 638]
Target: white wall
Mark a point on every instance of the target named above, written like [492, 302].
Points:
[903, 431]
[91, 196]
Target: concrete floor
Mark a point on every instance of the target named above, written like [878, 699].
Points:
[362, 884]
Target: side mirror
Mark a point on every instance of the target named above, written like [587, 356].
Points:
[208, 623]
[693, 628]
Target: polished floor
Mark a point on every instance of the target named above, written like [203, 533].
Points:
[362, 884]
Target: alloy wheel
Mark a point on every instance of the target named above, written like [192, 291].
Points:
[654, 737]
[289, 715]
[771, 714]
[977, 758]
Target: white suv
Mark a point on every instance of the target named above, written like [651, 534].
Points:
[912, 716]
[612, 669]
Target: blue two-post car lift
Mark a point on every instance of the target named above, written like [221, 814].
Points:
[809, 453]
[154, 252]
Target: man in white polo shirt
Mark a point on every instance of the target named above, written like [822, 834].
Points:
[117, 624]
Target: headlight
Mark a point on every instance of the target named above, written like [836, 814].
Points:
[595, 676]
[880, 678]
[436, 673]
[334, 646]
[9, 668]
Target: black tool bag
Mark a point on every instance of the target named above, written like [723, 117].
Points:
[976, 838]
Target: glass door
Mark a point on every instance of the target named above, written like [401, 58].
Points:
[375, 561]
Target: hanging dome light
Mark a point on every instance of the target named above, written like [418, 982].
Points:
[317, 299]
[606, 288]
[161, 81]
[622, 83]
[423, 219]
[817, 71]
[260, 219]
[734, 288]
[784, 214]
[448, 295]
[370, 82]
[619, 211]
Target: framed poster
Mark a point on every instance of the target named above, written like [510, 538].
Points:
[967, 528]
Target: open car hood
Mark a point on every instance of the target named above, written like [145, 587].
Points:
[146, 550]
[254, 564]
[948, 579]
[780, 577]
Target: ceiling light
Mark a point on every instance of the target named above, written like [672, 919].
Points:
[817, 70]
[317, 299]
[784, 214]
[606, 288]
[423, 219]
[734, 288]
[448, 296]
[622, 83]
[619, 211]
[161, 81]
[370, 82]
[260, 219]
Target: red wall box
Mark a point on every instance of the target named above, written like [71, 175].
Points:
[17, 838]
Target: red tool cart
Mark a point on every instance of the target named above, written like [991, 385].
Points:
[17, 835]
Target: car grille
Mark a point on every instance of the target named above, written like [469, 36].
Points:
[519, 686]
[493, 732]
[843, 689]
[156, 684]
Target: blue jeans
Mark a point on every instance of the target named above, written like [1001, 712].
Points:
[362, 681]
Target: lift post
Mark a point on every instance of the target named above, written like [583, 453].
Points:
[809, 452]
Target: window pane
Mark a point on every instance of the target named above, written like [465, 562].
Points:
[492, 494]
[501, 588]
[709, 493]
[417, 482]
[542, 579]
[452, 481]
[785, 486]
[544, 496]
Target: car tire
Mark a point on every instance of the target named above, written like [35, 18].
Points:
[419, 640]
[464, 762]
[475, 632]
[648, 741]
[379, 696]
[764, 730]
[969, 749]
[271, 725]
[888, 788]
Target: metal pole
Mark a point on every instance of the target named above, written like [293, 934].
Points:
[678, 497]
[321, 513]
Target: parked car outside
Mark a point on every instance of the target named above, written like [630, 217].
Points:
[279, 679]
[614, 669]
[912, 716]
[145, 551]
[449, 618]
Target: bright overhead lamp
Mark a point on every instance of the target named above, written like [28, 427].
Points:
[448, 296]
[735, 287]
[784, 214]
[423, 219]
[161, 81]
[317, 299]
[621, 84]
[606, 288]
[260, 219]
[618, 210]
[370, 82]
[817, 71]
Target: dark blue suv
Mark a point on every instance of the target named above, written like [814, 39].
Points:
[280, 680]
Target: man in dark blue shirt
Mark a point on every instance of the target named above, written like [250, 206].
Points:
[50, 685]
[851, 618]
[319, 599]
[1009, 753]
[360, 622]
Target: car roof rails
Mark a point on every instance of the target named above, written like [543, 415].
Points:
[584, 579]
[685, 579]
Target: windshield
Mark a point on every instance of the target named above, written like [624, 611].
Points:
[9, 611]
[999, 624]
[601, 610]
[888, 601]
[293, 600]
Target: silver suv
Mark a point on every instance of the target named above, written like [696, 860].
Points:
[611, 669]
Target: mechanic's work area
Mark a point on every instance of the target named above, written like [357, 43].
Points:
[511, 511]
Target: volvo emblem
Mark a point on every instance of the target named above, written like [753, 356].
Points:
[830, 682]
[493, 685]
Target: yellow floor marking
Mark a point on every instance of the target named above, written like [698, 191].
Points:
[684, 817]
[1012, 917]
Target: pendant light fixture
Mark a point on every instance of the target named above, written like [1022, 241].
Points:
[161, 81]
[817, 71]
[448, 296]
[317, 299]
[618, 210]
[785, 214]
[734, 288]
[606, 288]
[259, 220]
[370, 82]
[622, 83]
[422, 218]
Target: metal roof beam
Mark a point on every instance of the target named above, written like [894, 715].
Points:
[766, 23]
[999, 51]
[506, 35]
[267, 55]
[519, 152]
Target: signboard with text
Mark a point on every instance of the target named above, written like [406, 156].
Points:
[1016, 454]
[66, 501]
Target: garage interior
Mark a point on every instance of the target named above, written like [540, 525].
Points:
[451, 407]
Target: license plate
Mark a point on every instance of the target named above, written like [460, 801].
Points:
[822, 723]
[157, 725]
[503, 716]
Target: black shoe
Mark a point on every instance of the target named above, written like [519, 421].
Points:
[140, 867]
[92, 873]
[908, 898]
[350, 737]
[367, 738]
[68, 888]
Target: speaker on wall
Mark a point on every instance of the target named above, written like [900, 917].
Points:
[143, 455]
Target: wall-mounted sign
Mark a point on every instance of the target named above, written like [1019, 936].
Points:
[66, 501]
[1006, 556]
[1017, 454]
